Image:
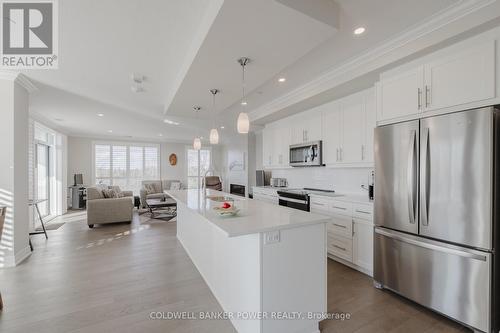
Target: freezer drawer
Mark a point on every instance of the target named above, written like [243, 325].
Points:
[452, 280]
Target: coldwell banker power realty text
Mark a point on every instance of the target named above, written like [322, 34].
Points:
[29, 34]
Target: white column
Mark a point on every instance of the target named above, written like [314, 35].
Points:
[14, 105]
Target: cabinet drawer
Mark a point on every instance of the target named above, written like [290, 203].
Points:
[318, 204]
[341, 208]
[340, 247]
[363, 211]
[341, 226]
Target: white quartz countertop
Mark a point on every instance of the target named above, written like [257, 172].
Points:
[348, 197]
[254, 216]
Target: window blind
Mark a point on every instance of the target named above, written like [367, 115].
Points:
[126, 165]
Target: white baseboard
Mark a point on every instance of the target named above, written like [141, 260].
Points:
[14, 259]
[20, 256]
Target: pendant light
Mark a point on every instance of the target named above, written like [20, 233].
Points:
[214, 134]
[197, 140]
[243, 123]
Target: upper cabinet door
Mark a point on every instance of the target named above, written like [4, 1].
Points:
[401, 94]
[353, 124]
[313, 128]
[371, 123]
[464, 77]
[332, 133]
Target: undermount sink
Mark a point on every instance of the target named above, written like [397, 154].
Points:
[219, 198]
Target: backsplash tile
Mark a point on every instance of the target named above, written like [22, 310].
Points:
[348, 180]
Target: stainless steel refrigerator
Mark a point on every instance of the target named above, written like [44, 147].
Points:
[437, 197]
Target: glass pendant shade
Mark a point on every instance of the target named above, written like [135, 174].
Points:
[243, 124]
[197, 143]
[214, 136]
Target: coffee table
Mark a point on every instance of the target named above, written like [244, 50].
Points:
[166, 204]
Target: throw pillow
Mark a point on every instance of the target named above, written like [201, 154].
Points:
[149, 188]
[109, 193]
[175, 186]
[157, 187]
[118, 191]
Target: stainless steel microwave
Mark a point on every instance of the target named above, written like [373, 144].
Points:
[306, 154]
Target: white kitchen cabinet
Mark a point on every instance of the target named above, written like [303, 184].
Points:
[353, 129]
[350, 231]
[275, 145]
[371, 123]
[267, 147]
[332, 132]
[282, 145]
[306, 127]
[362, 244]
[348, 130]
[460, 78]
[401, 94]
[458, 75]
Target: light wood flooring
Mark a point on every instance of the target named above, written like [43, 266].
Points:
[110, 278]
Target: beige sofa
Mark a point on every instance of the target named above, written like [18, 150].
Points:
[101, 210]
[156, 191]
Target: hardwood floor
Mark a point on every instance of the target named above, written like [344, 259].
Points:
[372, 310]
[110, 278]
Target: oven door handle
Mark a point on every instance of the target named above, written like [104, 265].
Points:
[293, 200]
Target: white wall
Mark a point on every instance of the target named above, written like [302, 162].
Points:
[80, 159]
[14, 135]
[345, 180]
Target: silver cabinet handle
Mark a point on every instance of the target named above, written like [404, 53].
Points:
[341, 153]
[427, 96]
[410, 176]
[343, 208]
[340, 247]
[419, 98]
[431, 246]
[424, 179]
[318, 204]
[362, 152]
[362, 212]
[352, 228]
[337, 154]
[340, 225]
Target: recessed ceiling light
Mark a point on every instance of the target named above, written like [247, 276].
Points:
[244, 103]
[359, 31]
[201, 137]
[222, 127]
[100, 114]
[281, 79]
[110, 131]
[160, 134]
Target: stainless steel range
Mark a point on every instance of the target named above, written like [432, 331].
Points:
[437, 235]
[299, 198]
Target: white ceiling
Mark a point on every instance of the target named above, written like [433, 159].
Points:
[272, 35]
[102, 42]
[186, 47]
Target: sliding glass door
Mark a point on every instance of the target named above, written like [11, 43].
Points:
[198, 162]
[43, 177]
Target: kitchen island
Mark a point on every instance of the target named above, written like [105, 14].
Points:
[266, 266]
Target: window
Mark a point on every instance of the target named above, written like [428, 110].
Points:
[126, 165]
[198, 162]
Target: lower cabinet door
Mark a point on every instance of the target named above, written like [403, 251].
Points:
[363, 244]
[340, 246]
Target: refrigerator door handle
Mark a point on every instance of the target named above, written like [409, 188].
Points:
[410, 173]
[424, 178]
[431, 246]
